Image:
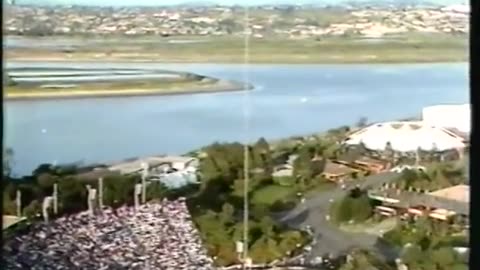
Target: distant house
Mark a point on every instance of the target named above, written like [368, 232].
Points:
[283, 171]
[95, 174]
[371, 164]
[336, 172]
[441, 204]
[291, 159]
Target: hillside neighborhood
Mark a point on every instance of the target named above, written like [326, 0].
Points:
[265, 21]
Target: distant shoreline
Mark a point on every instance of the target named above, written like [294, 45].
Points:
[221, 86]
[275, 61]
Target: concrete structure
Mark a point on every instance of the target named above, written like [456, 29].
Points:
[91, 198]
[137, 192]
[135, 166]
[176, 179]
[47, 203]
[406, 136]
[448, 116]
[100, 193]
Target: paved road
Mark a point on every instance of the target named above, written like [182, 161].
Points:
[330, 239]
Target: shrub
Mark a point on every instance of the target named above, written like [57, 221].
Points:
[280, 206]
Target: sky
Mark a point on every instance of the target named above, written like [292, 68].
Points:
[223, 2]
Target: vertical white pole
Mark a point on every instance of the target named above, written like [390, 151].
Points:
[100, 192]
[19, 203]
[136, 193]
[55, 198]
[89, 201]
[144, 184]
[46, 204]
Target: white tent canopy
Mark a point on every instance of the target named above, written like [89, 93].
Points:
[406, 137]
[448, 116]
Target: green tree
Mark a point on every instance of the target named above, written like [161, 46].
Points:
[356, 206]
[361, 208]
[30, 191]
[302, 167]
[263, 156]
[32, 209]
[342, 210]
[156, 190]
[412, 256]
[360, 259]
[318, 166]
[9, 206]
[388, 152]
[459, 266]
[362, 122]
[443, 257]
[265, 247]
[43, 168]
[226, 216]
[119, 189]
[332, 151]
[72, 195]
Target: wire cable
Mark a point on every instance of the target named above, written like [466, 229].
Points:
[246, 118]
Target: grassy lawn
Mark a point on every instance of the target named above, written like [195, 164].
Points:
[123, 88]
[270, 194]
[408, 48]
[320, 187]
[113, 86]
[371, 227]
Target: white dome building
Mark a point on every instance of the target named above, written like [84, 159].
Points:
[406, 137]
[448, 116]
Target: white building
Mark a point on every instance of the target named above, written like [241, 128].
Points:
[448, 116]
[178, 163]
[406, 137]
[462, 8]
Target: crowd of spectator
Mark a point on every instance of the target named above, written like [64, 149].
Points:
[157, 235]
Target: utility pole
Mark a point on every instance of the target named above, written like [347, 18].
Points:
[18, 200]
[100, 192]
[55, 198]
[47, 203]
[89, 199]
[144, 184]
[137, 191]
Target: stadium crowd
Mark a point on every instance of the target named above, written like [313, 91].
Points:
[155, 236]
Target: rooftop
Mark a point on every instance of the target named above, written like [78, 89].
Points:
[365, 159]
[337, 169]
[9, 221]
[459, 193]
[406, 136]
